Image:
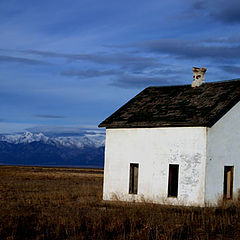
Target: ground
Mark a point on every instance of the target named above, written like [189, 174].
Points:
[66, 203]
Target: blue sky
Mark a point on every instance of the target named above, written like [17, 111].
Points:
[72, 63]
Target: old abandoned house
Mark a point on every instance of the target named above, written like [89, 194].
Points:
[175, 144]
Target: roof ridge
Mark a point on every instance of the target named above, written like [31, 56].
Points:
[206, 83]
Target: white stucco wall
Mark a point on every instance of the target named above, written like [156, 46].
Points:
[154, 149]
[223, 149]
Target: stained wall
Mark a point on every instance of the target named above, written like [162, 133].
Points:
[154, 149]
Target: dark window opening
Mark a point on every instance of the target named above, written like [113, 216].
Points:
[173, 180]
[133, 178]
[228, 182]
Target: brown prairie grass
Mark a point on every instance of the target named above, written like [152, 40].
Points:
[66, 203]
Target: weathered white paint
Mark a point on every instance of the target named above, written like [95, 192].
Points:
[223, 149]
[154, 149]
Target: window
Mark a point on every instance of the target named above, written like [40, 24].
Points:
[173, 180]
[228, 182]
[133, 178]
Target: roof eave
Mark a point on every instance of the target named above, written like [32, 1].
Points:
[223, 112]
[151, 126]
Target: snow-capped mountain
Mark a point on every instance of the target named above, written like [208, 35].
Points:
[85, 148]
[87, 140]
[26, 137]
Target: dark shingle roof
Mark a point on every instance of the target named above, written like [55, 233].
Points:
[174, 106]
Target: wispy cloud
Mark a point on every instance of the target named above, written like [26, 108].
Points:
[9, 59]
[190, 49]
[224, 11]
[129, 81]
[49, 116]
[66, 130]
[231, 69]
[124, 60]
[46, 53]
[91, 73]
[199, 5]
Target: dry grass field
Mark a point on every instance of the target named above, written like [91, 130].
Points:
[65, 203]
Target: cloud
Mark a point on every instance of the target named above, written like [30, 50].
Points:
[230, 69]
[13, 127]
[49, 116]
[9, 59]
[45, 53]
[66, 130]
[128, 61]
[91, 73]
[128, 81]
[130, 70]
[229, 40]
[199, 5]
[221, 10]
[191, 49]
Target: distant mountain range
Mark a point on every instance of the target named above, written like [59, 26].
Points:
[84, 149]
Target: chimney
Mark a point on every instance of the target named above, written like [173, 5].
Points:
[198, 76]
